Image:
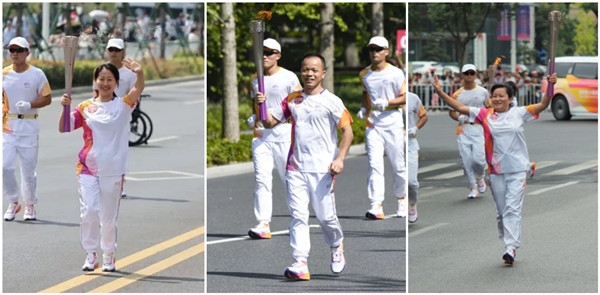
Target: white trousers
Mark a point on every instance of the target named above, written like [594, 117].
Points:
[25, 149]
[508, 190]
[472, 155]
[99, 199]
[265, 155]
[316, 188]
[390, 142]
[413, 170]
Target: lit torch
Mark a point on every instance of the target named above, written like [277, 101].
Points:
[70, 46]
[257, 30]
[554, 17]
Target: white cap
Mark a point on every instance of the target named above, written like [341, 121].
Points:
[115, 42]
[272, 44]
[468, 67]
[19, 41]
[379, 41]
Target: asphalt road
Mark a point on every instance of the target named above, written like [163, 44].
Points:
[454, 246]
[161, 222]
[375, 250]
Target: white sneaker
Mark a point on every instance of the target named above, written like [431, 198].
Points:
[376, 212]
[481, 186]
[13, 209]
[413, 215]
[29, 213]
[260, 231]
[473, 194]
[108, 262]
[298, 271]
[402, 208]
[338, 260]
[91, 262]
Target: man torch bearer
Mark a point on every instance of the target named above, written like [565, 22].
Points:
[70, 46]
[554, 17]
[257, 30]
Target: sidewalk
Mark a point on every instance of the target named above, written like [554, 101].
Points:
[235, 169]
[84, 89]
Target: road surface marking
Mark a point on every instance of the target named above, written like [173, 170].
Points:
[575, 168]
[448, 175]
[150, 270]
[162, 139]
[552, 188]
[414, 233]
[435, 167]
[177, 175]
[121, 263]
[193, 102]
[241, 238]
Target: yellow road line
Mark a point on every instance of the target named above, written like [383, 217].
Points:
[150, 270]
[82, 279]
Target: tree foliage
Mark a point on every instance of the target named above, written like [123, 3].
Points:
[586, 36]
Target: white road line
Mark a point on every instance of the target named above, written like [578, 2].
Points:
[435, 167]
[575, 168]
[193, 102]
[425, 229]
[552, 188]
[162, 139]
[544, 164]
[448, 175]
[275, 233]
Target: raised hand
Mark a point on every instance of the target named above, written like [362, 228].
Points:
[132, 65]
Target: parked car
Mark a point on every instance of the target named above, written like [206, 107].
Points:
[424, 66]
[576, 91]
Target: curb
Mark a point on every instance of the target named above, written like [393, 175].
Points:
[84, 89]
[247, 167]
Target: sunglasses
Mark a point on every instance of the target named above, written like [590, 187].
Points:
[114, 49]
[17, 50]
[375, 49]
[469, 73]
[269, 52]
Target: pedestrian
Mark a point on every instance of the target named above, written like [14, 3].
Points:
[314, 162]
[384, 90]
[417, 117]
[515, 103]
[102, 162]
[506, 155]
[27, 90]
[270, 147]
[115, 51]
[469, 134]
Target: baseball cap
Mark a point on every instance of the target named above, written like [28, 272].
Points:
[379, 41]
[272, 44]
[468, 67]
[19, 41]
[115, 42]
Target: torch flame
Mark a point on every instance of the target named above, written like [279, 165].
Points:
[264, 15]
[498, 60]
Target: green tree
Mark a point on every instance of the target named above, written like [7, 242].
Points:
[586, 35]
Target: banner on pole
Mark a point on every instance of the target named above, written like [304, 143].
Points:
[504, 25]
[401, 41]
[523, 27]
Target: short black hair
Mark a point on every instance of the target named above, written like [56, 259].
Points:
[508, 88]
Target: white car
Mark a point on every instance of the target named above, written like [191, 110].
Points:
[421, 67]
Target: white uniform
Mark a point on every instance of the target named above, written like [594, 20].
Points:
[508, 159]
[314, 147]
[385, 135]
[414, 111]
[270, 147]
[470, 137]
[20, 136]
[102, 162]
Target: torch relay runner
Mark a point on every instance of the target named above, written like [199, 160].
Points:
[313, 163]
[102, 162]
[506, 155]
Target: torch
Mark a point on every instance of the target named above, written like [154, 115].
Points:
[554, 17]
[70, 46]
[257, 30]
